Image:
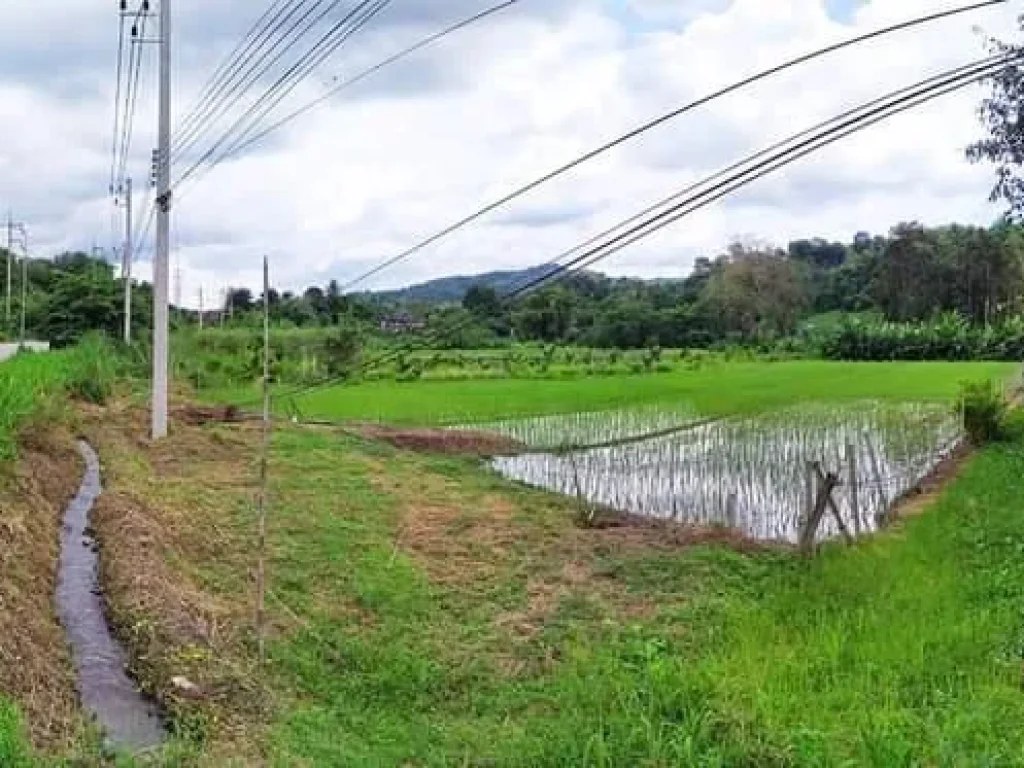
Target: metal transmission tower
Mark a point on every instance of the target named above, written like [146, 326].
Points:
[161, 271]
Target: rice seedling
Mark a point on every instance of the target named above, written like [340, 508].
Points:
[752, 473]
[566, 431]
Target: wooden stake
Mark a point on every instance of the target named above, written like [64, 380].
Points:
[851, 460]
[261, 569]
[826, 486]
[831, 503]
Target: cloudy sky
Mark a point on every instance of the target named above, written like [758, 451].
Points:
[428, 141]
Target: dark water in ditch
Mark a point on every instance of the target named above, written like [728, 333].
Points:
[129, 719]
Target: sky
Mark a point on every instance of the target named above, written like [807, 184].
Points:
[427, 141]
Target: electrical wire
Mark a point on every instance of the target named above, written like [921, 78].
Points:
[228, 65]
[324, 48]
[247, 72]
[117, 99]
[241, 145]
[132, 95]
[268, 60]
[658, 121]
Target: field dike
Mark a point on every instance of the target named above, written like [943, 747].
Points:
[35, 665]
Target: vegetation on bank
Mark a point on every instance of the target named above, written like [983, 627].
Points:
[32, 382]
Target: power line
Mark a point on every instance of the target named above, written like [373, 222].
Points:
[658, 121]
[245, 143]
[328, 44]
[138, 34]
[117, 93]
[230, 62]
[244, 74]
[792, 149]
[268, 60]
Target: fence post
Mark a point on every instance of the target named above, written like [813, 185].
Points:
[730, 512]
[827, 483]
[811, 518]
[851, 460]
[809, 485]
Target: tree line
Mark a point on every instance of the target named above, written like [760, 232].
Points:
[752, 293]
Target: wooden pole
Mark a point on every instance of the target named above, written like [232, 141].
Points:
[261, 569]
[830, 482]
[851, 460]
[810, 531]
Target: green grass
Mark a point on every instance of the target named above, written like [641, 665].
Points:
[719, 389]
[904, 650]
[29, 383]
[14, 752]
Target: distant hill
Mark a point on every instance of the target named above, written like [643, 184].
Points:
[453, 289]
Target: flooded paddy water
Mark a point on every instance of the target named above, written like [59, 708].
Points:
[751, 473]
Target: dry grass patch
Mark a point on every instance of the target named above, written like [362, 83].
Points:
[175, 569]
[35, 666]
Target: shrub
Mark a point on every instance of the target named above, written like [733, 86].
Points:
[342, 351]
[94, 370]
[984, 411]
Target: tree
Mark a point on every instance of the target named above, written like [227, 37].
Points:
[82, 300]
[342, 352]
[756, 293]
[1002, 115]
[482, 301]
[239, 300]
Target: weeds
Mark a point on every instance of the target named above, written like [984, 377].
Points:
[984, 410]
[14, 752]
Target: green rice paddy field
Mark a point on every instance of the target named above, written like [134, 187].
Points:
[718, 389]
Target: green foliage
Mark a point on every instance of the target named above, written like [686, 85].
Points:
[30, 383]
[14, 750]
[948, 337]
[95, 371]
[984, 410]
[342, 350]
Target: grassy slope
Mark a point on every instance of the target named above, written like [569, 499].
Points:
[438, 616]
[716, 390]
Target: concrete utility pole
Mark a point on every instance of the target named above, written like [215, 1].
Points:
[126, 261]
[161, 271]
[200, 307]
[24, 282]
[12, 228]
[10, 256]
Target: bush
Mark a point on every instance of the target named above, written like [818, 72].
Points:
[94, 370]
[984, 411]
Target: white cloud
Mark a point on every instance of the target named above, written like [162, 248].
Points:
[403, 156]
